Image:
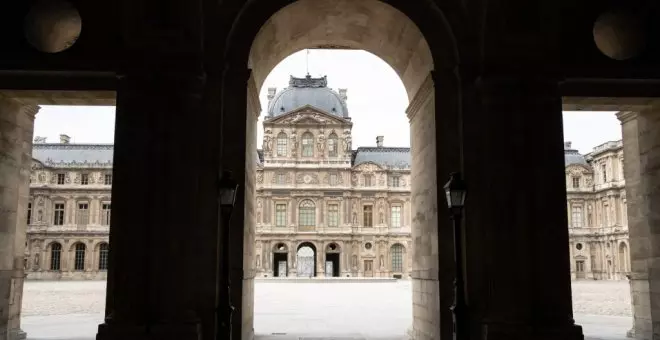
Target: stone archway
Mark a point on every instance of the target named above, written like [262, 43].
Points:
[425, 64]
[306, 256]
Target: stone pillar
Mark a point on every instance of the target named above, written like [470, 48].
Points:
[160, 284]
[516, 219]
[16, 126]
[641, 145]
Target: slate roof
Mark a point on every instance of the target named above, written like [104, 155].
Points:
[389, 157]
[73, 154]
[573, 156]
[307, 91]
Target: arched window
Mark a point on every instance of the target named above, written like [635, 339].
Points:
[332, 145]
[397, 258]
[307, 145]
[307, 215]
[55, 256]
[79, 260]
[281, 144]
[103, 256]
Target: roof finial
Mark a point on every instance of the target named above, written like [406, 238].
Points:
[307, 61]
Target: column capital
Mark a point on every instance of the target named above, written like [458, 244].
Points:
[626, 116]
[30, 110]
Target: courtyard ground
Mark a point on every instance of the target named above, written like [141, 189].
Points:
[288, 310]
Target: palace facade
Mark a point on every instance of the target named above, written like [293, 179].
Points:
[69, 210]
[323, 208]
[597, 212]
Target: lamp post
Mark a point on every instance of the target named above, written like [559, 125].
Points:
[456, 191]
[227, 188]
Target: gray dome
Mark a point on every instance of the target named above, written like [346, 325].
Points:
[572, 156]
[308, 91]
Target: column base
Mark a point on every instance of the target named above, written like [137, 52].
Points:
[17, 334]
[500, 331]
[630, 333]
[111, 331]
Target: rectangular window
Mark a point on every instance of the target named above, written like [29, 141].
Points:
[106, 208]
[333, 215]
[395, 181]
[396, 217]
[84, 179]
[107, 179]
[82, 215]
[60, 178]
[59, 214]
[29, 214]
[577, 217]
[281, 179]
[281, 145]
[576, 182]
[368, 216]
[333, 179]
[367, 180]
[604, 170]
[280, 215]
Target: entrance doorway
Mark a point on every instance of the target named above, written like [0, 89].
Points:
[368, 268]
[332, 256]
[306, 260]
[280, 260]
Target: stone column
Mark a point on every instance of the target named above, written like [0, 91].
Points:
[516, 214]
[16, 126]
[162, 284]
[641, 145]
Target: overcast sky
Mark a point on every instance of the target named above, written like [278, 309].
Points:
[377, 102]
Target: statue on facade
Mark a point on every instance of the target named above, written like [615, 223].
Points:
[258, 261]
[40, 216]
[36, 262]
[347, 143]
[382, 215]
[268, 143]
[354, 217]
[321, 143]
[355, 262]
[382, 261]
[294, 143]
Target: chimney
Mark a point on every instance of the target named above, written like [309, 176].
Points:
[567, 145]
[271, 93]
[379, 141]
[64, 139]
[39, 140]
[342, 94]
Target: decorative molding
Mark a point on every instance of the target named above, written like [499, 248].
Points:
[423, 94]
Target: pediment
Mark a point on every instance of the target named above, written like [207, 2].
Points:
[306, 115]
[367, 167]
[578, 169]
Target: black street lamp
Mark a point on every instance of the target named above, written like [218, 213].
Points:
[227, 188]
[456, 191]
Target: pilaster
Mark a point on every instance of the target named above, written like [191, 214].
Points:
[16, 127]
[641, 149]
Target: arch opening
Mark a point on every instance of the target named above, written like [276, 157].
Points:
[388, 33]
[306, 260]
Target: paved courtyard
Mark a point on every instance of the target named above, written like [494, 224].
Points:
[374, 310]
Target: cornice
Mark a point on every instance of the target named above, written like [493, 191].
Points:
[626, 116]
[422, 95]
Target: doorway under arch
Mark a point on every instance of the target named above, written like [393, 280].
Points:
[424, 62]
[280, 260]
[332, 260]
[306, 260]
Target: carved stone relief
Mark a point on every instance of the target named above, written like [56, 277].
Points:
[260, 177]
[307, 178]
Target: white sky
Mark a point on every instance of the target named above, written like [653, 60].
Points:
[377, 102]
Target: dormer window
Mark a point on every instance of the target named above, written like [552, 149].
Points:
[60, 178]
[576, 182]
